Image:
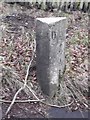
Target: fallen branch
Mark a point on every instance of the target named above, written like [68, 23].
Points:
[14, 98]
[19, 101]
[32, 92]
[57, 106]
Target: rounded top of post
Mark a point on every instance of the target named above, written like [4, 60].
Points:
[51, 20]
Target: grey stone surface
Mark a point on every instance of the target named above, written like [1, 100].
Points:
[50, 51]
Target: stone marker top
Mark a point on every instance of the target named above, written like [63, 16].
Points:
[51, 20]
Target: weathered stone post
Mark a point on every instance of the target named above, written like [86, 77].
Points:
[50, 52]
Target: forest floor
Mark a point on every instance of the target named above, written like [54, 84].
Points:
[17, 25]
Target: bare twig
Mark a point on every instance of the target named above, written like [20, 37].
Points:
[32, 92]
[57, 106]
[19, 101]
[13, 100]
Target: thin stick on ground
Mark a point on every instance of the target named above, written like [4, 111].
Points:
[57, 106]
[20, 101]
[32, 92]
